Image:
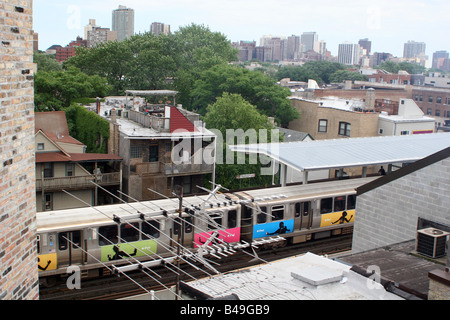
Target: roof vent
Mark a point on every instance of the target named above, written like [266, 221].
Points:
[431, 242]
[317, 275]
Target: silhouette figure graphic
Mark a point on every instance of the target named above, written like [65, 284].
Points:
[282, 229]
[343, 218]
[120, 254]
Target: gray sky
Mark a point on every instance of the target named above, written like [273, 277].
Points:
[387, 23]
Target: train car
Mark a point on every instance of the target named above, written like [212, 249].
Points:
[93, 237]
[300, 213]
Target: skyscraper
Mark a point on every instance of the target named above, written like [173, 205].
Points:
[366, 44]
[309, 41]
[158, 28]
[348, 53]
[439, 58]
[123, 22]
[413, 49]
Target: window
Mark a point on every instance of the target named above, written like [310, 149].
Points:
[129, 232]
[438, 99]
[351, 202]
[232, 219]
[262, 216]
[344, 129]
[438, 112]
[339, 203]
[151, 228]
[40, 146]
[48, 170]
[107, 235]
[135, 151]
[153, 155]
[64, 237]
[302, 208]
[70, 169]
[404, 133]
[323, 124]
[277, 213]
[48, 197]
[217, 218]
[421, 98]
[429, 111]
[430, 98]
[326, 205]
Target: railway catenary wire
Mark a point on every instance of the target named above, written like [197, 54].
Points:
[168, 214]
[111, 287]
[178, 256]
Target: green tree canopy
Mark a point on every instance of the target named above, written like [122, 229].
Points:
[393, 67]
[258, 89]
[341, 75]
[316, 70]
[46, 62]
[55, 90]
[233, 112]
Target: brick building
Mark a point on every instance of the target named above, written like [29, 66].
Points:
[433, 101]
[18, 257]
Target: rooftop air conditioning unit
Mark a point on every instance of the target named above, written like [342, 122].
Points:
[431, 242]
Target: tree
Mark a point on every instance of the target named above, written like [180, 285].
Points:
[341, 75]
[55, 90]
[393, 67]
[46, 62]
[324, 69]
[297, 73]
[233, 112]
[258, 89]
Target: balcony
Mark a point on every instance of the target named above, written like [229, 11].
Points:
[79, 182]
[171, 169]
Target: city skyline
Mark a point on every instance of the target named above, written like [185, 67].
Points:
[389, 25]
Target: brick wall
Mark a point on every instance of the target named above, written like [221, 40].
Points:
[389, 214]
[18, 257]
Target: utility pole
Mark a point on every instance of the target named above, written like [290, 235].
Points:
[179, 193]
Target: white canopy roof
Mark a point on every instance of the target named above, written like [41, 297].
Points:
[350, 152]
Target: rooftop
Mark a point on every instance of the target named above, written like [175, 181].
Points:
[351, 152]
[304, 277]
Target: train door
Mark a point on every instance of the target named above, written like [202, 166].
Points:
[302, 215]
[187, 235]
[69, 248]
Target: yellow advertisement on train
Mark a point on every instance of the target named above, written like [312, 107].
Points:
[47, 262]
[336, 218]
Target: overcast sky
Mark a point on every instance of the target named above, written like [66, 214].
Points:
[387, 23]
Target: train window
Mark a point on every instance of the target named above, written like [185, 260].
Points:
[188, 225]
[107, 235]
[217, 218]
[351, 202]
[129, 231]
[277, 213]
[64, 238]
[176, 225]
[302, 208]
[261, 217]
[339, 203]
[232, 219]
[62, 241]
[326, 205]
[150, 227]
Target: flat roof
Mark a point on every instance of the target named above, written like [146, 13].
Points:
[350, 152]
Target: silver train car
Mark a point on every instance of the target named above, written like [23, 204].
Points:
[95, 237]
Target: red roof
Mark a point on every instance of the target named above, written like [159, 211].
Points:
[178, 121]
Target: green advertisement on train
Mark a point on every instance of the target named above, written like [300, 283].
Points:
[127, 250]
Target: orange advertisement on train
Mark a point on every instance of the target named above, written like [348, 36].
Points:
[336, 218]
[47, 262]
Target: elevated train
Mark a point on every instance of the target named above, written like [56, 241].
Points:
[94, 237]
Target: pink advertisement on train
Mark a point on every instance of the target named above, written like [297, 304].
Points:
[228, 235]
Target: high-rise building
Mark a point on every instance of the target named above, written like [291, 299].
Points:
[348, 53]
[292, 50]
[158, 28]
[18, 246]
[413, 49]
[439, 58]
[99, 35]
[366, 45]
[123, 22]
[310, 41]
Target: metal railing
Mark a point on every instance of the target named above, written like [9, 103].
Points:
[78, 182]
